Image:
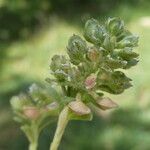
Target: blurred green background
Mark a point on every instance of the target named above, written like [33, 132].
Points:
[31, 31]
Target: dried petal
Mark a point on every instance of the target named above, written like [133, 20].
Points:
[106, 103]
[31, 112]
[90, 81]
[79, 108]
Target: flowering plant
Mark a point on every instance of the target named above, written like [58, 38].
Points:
[95, 65]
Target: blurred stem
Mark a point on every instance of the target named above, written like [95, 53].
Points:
[33, 146]
[64, 90]
[61, 125]
[34, 137]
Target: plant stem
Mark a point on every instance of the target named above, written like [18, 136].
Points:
[61, 125]
[33, 146]
[34, 135]
[64, 90]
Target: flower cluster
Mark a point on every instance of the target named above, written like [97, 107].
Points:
[96, 63]
[34, 110]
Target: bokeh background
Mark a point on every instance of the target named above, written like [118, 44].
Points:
[31, 31]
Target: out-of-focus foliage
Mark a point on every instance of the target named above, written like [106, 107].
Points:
[19, 18]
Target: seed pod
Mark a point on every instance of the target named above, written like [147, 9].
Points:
[94, 32]
[90, 81]
[60, 74]
[79, 108]
[115, 63]
[59, 62]
[106, 103]
[131, 63]
[109, 42]
[128, 41]
[115, 25]
[127, 54]
[31, 112]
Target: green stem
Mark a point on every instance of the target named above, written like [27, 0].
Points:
[34, 135]
[64, 90]
[61, 125]
[33, 146]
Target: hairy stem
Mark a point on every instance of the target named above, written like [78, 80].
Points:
[61, 125]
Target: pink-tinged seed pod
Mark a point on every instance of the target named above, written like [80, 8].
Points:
[90, 81]
[94, 55]
[106, 103]
[79, 108]
[31, 112]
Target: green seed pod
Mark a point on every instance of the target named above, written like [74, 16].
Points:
[59, 62]
[109, 42]
[128, 41]
[127, 54]
[60, 75]
[115, 63]
[116, 83]
[124, 34]
[131, 63]
[94, 32]
[76, 49]
[115, 25]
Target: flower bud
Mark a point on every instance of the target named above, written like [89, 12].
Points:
[76, 49]
[31, 112]
[106, 103]
[115, 25]
[16, 103]
[94, 32]
[79, 108]
[90, 81]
